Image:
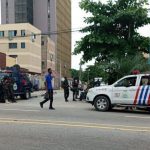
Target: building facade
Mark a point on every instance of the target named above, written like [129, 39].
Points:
[63, 16]
[23, 42]
[47, 53]
[6, 61]
[16, 11]
[52, 17]
[3, 60]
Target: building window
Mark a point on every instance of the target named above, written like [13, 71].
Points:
[48, 15]
[7, 18]
[12, 45]
[7, 3]
[23, 11]
[51, 57]
[12, 33]
[33, 37]
[1, 34]
[42, 43]
[23, 33]
[23, 45]
[43, 65]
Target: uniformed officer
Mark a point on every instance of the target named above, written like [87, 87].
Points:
[8, 87]
[2, 95]
[66, 89]
[75, 89]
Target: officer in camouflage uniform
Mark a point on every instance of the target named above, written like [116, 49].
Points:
[8, 87]
[2, 95]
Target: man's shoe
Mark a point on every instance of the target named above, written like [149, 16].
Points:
[41, 105]
[66, 100]
[52, 108]
[74, 100]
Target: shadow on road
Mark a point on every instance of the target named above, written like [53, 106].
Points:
[122, 110]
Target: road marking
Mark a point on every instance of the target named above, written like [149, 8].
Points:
[76, 124]
[28, 110]
[137, 117]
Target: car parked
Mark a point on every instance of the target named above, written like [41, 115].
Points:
[129, 91]
[21, 84]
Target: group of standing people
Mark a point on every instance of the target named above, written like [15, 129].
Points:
[66, 87]
[73, 87]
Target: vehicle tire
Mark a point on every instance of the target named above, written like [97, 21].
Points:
[148, 109]
[26, 95]
[102, 103]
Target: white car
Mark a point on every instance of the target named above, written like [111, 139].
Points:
[131, 90]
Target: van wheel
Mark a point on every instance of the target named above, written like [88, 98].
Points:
[148, 109]
[102, 103]
[26, 95]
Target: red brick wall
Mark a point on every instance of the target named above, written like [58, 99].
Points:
[2, 60]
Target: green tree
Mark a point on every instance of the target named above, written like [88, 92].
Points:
[91, 72]
[120, 67]
[112, 30]
[74, 73]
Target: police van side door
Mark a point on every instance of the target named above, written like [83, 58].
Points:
[142, 95]
[124, 90]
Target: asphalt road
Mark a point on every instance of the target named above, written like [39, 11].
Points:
[72, 126]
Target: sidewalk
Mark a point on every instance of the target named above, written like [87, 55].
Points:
[42, 92]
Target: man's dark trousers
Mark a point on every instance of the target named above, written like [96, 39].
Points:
[50, 93]
[66, 93]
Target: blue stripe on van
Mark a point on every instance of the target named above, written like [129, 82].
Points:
[145, 96]
[140, 99]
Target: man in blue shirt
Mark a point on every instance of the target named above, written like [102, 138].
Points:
[49, 89]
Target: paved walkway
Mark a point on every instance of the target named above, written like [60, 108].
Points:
[42, 92]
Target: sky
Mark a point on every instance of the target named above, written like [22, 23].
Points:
[77, 22]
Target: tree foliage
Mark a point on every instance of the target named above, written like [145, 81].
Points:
[91, 72]
[74, 73]
[112, 30]
[118, 68]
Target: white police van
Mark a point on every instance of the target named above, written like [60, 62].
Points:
[131, 90]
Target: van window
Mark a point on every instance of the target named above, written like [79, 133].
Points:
[145, 80]
[130, 81]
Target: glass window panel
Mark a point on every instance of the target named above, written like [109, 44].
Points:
[23, 45]
[12, 45]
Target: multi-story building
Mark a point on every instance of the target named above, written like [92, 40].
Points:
[48, 58]
[16, 11]
[6, 61]
[23, 42]
[47, 53]
[52, 17]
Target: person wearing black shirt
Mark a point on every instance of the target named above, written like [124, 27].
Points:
[66, 89]
[75, 84]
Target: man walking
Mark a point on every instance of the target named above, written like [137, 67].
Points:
[66, 89]
[49, 89]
